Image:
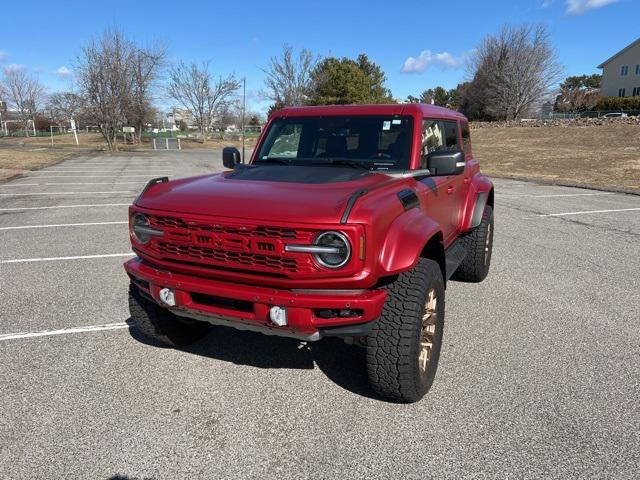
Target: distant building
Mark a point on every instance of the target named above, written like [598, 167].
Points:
[176, 116]
[621, 73]
[546, 109]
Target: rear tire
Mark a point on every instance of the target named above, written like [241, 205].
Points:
[403, 349]
[478, 244]
[160, 324]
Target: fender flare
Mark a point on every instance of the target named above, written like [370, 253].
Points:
[405, 241]
[480, 194]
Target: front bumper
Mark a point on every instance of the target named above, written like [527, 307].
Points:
[247, 307]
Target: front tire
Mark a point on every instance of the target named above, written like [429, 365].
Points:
[160, 324]
[403, 349]
[479, 245]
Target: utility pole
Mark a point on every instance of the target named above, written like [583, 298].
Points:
[244, 105]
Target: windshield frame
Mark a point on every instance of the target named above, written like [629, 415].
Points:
[373, 164]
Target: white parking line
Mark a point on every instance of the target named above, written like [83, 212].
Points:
[61, 193]
[139, 182]
[64, 331]
[115, 165]
[560, 195]
[588, 212]
[65, 206]
[24, 227]
[94, 176]
[56, 259]
[20, 185]
[159, 172]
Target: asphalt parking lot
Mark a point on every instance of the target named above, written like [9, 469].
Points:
[539, 375]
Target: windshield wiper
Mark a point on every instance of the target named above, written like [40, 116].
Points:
[280, 160]
[341, 161]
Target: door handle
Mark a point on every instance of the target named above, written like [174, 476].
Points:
[450, 190]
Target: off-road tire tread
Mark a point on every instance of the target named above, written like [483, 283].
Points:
[160, 324]
[473, 268]
[391, 346]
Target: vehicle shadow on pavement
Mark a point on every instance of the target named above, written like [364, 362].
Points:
[341, 363]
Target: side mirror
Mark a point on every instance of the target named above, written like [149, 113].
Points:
[445, 162]
[230, 157]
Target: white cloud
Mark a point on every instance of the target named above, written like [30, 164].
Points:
[578, 7]
[420, 63]
[63, 72]
[3, 55]
[547, 3]
[13, 67]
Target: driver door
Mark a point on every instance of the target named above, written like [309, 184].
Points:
[443, 195]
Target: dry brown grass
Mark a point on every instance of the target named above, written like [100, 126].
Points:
[604, 156]
[17, 161]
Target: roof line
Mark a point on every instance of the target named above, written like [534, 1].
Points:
[631, 45]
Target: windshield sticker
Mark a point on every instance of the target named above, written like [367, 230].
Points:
[386, 125]
[397, 121]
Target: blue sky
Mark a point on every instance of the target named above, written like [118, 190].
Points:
[419, 44]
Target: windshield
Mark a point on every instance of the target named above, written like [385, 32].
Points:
[374, 142]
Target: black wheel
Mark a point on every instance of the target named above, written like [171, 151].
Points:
[404, 347]
[478, 244]
[162, 325]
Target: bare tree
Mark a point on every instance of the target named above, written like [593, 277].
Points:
[65, 106]
[23, 93]
[105, 79]
[146, 67]
[288, 79]
[513, 69]
[193, 87]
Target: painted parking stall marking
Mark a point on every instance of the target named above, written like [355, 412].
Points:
[129, 192]
[64, 331]
[149, 175]
[26, 227]
[588, 212]
[15, 209]
[58, 259]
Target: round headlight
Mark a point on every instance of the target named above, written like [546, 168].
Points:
[340, 246]
[140, 228]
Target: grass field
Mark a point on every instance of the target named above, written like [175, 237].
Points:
[606, 156]
[16, 161]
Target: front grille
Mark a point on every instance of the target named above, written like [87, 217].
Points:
[244, 230]
[227, 257]
[230, 246]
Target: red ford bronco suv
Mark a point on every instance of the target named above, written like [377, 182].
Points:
[347, 221]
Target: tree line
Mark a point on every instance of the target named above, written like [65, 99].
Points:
[118, 82]
[509, 73]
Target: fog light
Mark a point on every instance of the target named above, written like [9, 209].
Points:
[168, 297]
[278, 316]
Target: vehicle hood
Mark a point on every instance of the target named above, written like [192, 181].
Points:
[283, 193]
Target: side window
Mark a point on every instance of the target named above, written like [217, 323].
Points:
[433, 139]
[451, 135]
[466, 138]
